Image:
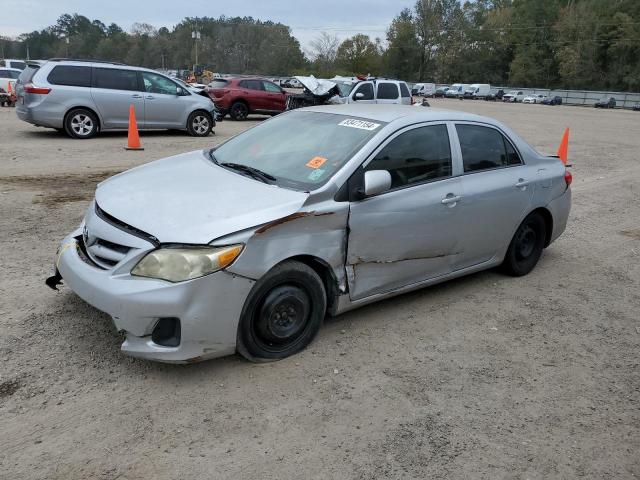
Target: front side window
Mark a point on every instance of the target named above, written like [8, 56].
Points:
[419, 155]
[271, 87]
[115, 79]
[154, 83]
[485, 148]
[283, 147]
[72, 75]
[387, 91]
[367, 91]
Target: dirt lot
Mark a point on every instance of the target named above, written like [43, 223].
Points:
[483, 377]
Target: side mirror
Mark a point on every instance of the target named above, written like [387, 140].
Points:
[358, 96]
[181, 91]
[376, 181]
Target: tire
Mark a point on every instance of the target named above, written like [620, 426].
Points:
[239, 111]
[282, 313]
[199, 124]
[81, 124]
[526, 246]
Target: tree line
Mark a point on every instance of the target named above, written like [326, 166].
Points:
[582, 44]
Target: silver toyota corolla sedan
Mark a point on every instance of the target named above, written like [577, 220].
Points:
[247, 246]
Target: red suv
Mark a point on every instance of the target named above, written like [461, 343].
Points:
[239, 97]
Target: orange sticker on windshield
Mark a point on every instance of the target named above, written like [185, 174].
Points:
[316, 162]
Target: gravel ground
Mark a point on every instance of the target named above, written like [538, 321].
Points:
[482, 377]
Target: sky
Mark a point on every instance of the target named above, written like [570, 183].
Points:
[307, 18]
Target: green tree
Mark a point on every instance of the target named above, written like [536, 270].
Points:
[359, 55]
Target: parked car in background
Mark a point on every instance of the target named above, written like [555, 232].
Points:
[240, 97]
[291, 83]
[456, 90]
[12, 63]
[534, 98]
[555, 100]
[440, 92]
[8, 75]
[85, 97]
[513, 96]
[492, 97]
[376, 91]
[247, 246]
[636, 107]
[606, 102]
[476, 91]
[424, 89]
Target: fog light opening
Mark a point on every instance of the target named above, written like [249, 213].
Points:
[167, 332]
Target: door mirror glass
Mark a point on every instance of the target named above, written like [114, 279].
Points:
[358, 96]
[376, 181]
[179, 91]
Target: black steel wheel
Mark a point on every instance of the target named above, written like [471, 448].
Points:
[283, 313]
[526, 246]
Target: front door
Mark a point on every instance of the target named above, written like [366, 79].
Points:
[163, 107]
[497, 190]
[113, 91]
[411, 232]
[276, 98]
[363, 93]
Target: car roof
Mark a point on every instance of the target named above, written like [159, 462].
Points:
[388, 113]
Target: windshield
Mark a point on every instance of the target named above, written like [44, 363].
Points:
[301, 149]
[344, 88]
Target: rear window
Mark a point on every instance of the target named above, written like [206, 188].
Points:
[9, 74]
[115, 79]
[387, 91]
[75, 76]
[404, 90]
[218, 84]
[20, 65]
[27, 74]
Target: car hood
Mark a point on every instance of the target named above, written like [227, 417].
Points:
[189, 199]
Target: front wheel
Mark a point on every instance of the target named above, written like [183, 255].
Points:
[199, 124]
[526, 246]
[283, 313]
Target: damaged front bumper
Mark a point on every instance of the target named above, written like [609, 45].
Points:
[208, 308]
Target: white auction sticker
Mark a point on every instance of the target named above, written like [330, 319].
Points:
[362, 124]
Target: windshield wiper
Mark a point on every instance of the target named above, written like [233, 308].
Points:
[254, 172]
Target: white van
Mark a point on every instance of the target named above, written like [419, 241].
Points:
[424, 89]
[477, 90]
[456, 90]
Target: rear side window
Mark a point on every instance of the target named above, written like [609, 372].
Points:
[251, 84]
[485, 148]
[419, 155]
[115, 79]
[387, 91]
[218, 84]
[404, 90]
[71, 75]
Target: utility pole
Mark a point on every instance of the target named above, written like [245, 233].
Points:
[195, 34]
[66, 47]
[28, 52]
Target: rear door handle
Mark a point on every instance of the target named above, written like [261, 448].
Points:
[135, 95]
[522, 183]
[149, 97]
[451, 199]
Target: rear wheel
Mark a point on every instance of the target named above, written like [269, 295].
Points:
[239, 111]
[81, 123]
[283, 313]
[199, 124]
[526, 246]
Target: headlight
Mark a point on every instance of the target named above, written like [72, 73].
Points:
[185, 263]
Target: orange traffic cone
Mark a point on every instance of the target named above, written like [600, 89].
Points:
[133, 139]
[563, 149]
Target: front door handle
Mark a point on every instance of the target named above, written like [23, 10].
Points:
[522, 183]
[149, 97]
[135, 95]
[451, 200]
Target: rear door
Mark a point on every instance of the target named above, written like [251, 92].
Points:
[113, 91]
[253, 91]
[497, 190]
[411, 232]
[163, 107]
[388, 92]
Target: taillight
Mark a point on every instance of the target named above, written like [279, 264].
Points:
[31, 88]
[568, 178]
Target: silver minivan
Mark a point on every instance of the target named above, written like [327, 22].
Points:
[85, 97]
